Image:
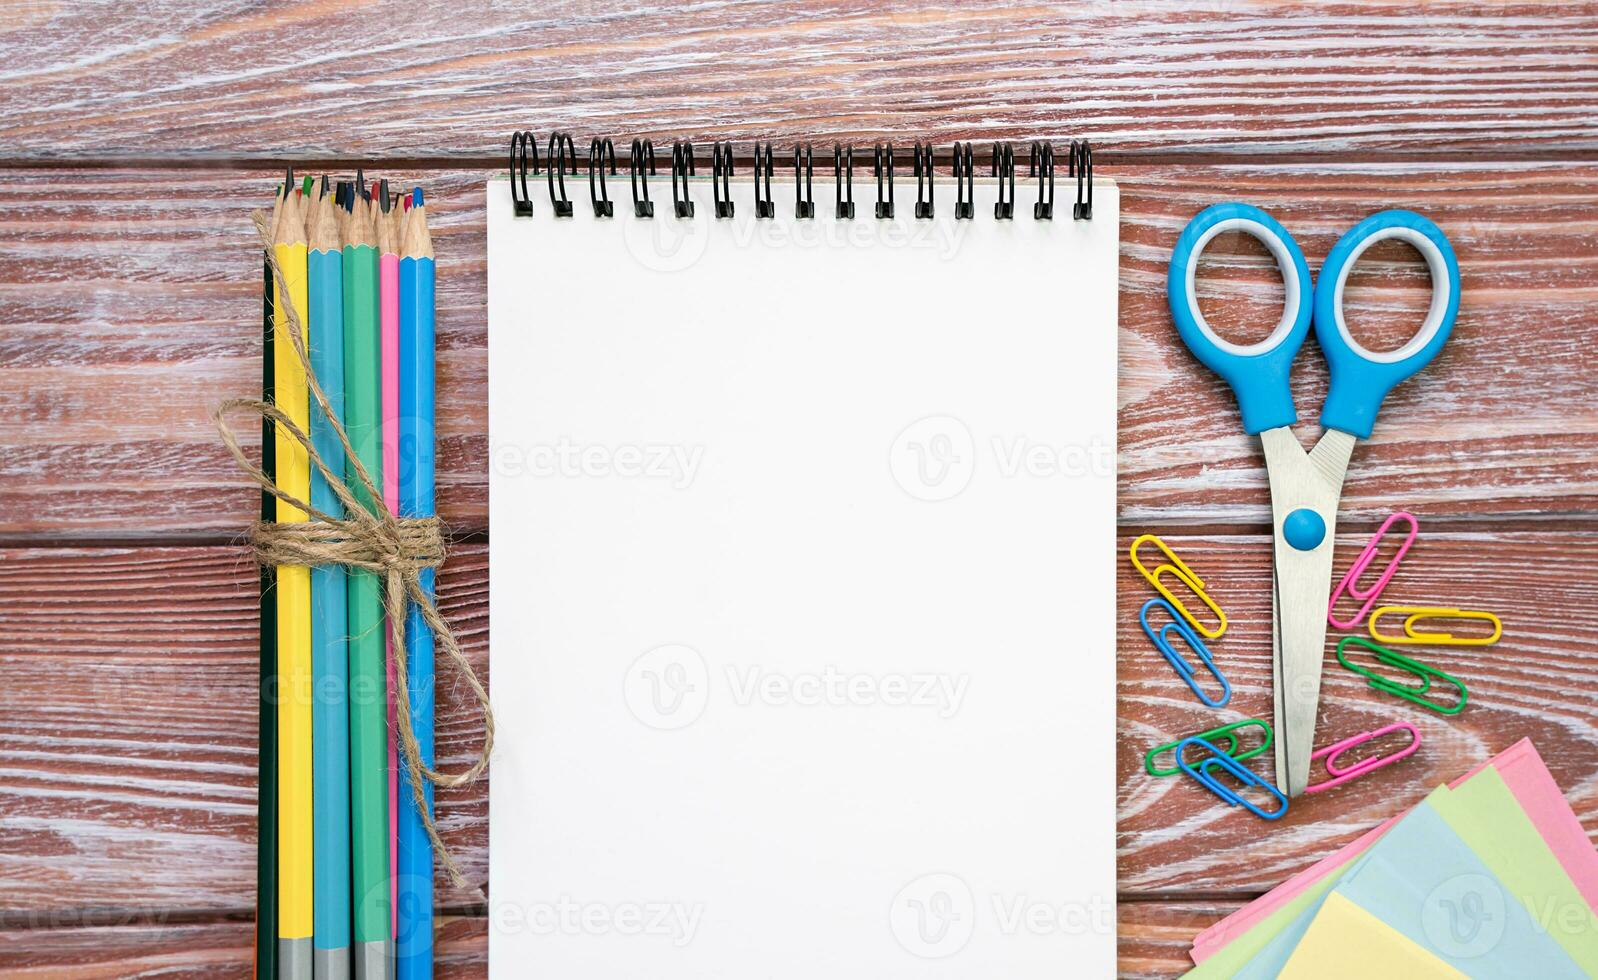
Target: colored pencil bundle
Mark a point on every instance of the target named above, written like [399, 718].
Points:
[345, 859]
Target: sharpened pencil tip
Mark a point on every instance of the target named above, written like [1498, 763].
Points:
[416, 198]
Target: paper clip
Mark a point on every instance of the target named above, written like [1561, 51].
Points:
[1406, 691]
[1220, 760]
[1184, 670]
[1412, 635]
[1187, 577]
[1341, 774]
[1350, 582]
[1228, 733]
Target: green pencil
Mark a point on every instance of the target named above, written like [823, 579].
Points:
[368, 692]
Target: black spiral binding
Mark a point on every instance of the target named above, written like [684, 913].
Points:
[804, 193]
[964, 181]
[562, 154]
[720, 178]
[682, 167]
[562, 162]
[643, 167]
[1040, 164]
[923, 172]
[523, 161]
[1081, 167]
[765, 207]
[882, 169]
[843, 179]
[599, 151]
[1004, 169]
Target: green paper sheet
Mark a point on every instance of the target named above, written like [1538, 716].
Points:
[1485, 814]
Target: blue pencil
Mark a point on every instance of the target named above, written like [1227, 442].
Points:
[414, 936]
[330, 710]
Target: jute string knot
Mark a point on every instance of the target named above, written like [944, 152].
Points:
[369, 538]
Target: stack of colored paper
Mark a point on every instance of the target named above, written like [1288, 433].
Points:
[1490, 876]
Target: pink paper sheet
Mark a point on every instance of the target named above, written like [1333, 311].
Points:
[1528, 778]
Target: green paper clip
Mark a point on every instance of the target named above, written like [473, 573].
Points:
[1406, 691]
[1216, 736]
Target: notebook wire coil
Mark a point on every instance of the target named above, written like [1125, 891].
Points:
[559, 160]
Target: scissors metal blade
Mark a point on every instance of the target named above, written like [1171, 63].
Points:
[1276, 682]
[1301, 582]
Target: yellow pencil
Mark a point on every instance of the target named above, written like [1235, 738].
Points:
[295, 922]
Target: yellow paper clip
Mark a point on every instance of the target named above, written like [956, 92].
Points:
[1186, 576]
[1412, 614]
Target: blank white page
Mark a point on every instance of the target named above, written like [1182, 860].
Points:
[802, 598]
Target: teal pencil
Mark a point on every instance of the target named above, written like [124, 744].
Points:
[330, 710]
[363, 409]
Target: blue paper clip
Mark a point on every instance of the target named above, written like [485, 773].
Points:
[1184, 669]
[1220, 760]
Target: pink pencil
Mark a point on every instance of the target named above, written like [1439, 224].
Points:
[388, 322]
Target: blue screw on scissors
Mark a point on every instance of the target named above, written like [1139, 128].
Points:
[1305, 487]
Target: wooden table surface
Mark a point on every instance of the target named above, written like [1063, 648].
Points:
[135, 137]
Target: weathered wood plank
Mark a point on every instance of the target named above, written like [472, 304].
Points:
[1154, 939]
[225, 80]
[205, 950]
[127, 729]
[131, 307]
[1154, 935]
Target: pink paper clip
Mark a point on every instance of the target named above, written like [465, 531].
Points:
[1341, 774]
[1350, 582]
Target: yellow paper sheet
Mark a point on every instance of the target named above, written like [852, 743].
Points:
[1347, 941]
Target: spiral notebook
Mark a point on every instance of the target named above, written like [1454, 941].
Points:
[802, 538]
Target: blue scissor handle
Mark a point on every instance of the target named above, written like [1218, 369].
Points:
[1257, 372]
[1360, 379]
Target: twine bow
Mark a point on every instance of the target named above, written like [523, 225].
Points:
[370, 538]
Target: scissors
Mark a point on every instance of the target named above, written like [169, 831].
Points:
[1305, 487]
